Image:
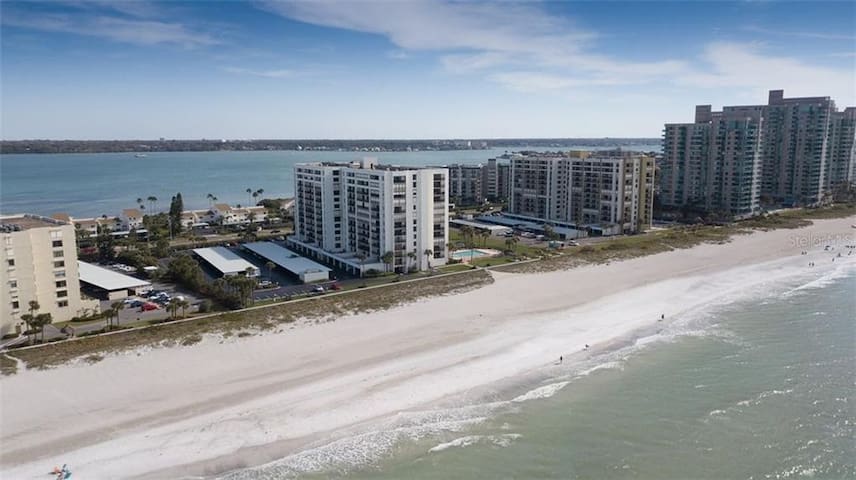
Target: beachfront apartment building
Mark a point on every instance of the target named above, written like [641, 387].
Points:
[465, 184]
[714, 163]
[791, 151]
[842, 150]
[475, 184]
[39, 262]
[351, 215]
[603, 193]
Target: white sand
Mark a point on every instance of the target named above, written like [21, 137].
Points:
[214, 406]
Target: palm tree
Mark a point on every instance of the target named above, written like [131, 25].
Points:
[115, 308]
[270, 266]
[411, 257]
[249, 192]
[485, 235]
[428, 254]
[362, 258]
[260, 192]
[40, 321]
[511, 243]
[173, 307]
[153, 200]
[183, 304]
[388, 259]
[211, 199]
[28, 319]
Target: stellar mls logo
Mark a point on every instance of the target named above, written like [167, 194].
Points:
[813, 240]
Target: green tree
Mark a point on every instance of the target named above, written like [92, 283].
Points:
[249, 194]
[161, 247]
[28, 318]
[173, 306]
[153, 203]
[176, 206]
[511, 243]
[550, 233]
[115, 308]
[270, 266]
[411, 256]
[40, 321]
[388, 259]
[428, 254]
[183, 305]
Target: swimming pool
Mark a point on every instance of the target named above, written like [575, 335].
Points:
[468, 254]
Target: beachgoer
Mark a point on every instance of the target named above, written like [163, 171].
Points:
[587, 346]
[560, 359]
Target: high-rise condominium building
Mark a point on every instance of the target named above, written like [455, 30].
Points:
[473, 184]
[714, 163]
[39, 262]
[465, 184]
[606, 193]
[351, 215]
[791, 151]
[842, 150]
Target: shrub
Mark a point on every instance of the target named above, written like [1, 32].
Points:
[191, 340]
[205, 306]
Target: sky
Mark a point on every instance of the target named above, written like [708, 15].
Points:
[406, 69]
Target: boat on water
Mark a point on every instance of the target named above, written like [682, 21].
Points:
[140, 155]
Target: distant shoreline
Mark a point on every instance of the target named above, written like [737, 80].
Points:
[359, 145]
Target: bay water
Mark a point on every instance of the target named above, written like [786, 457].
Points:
[88, 185]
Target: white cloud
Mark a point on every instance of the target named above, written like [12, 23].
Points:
[742, 65]
[133, 31]
[524, 48]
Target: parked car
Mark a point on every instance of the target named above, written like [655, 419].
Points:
[318, 289]
[137, 303]
[148, 306]
[335, 286]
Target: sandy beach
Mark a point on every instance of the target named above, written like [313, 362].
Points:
[220, 405]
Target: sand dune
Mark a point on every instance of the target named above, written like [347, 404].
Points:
[217, 406]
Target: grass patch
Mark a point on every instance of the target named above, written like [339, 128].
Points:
[456, 267]
[624, 247]
[191, 340]
[322, 308]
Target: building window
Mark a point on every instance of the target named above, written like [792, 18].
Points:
[16, 305]
[59, 264]
[60, 284]
[62, 294]
[13, 284]
[58, 254]
[57, 243]
[59, 274]
[56, 234]
[62, 303]
[11, 262]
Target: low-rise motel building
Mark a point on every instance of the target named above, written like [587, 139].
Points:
[39, 263]
[353, 215]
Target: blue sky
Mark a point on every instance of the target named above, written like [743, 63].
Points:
[406, 69]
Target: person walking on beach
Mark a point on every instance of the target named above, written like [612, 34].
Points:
[560, 359]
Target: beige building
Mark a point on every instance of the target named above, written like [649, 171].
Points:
[39, 261]
[604, 193]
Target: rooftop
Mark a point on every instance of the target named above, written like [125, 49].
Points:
[285, 258]
[18, 223]
[224, 260]
[107, 279]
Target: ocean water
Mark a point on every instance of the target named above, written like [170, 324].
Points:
[763, 387]
[85, 185]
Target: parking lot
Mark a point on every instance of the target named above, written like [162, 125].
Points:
[134, 311]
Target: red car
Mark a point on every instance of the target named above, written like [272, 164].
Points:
[335, 286]
[148, 306]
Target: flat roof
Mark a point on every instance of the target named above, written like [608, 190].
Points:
[285, 258]
[478, 224]
[27, 221]
[224, 260]
[107, 279]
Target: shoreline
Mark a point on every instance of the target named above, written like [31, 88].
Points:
[287, 389]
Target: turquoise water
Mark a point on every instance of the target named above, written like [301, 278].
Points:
[758, 389]
[104, 183]
[467, 254]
